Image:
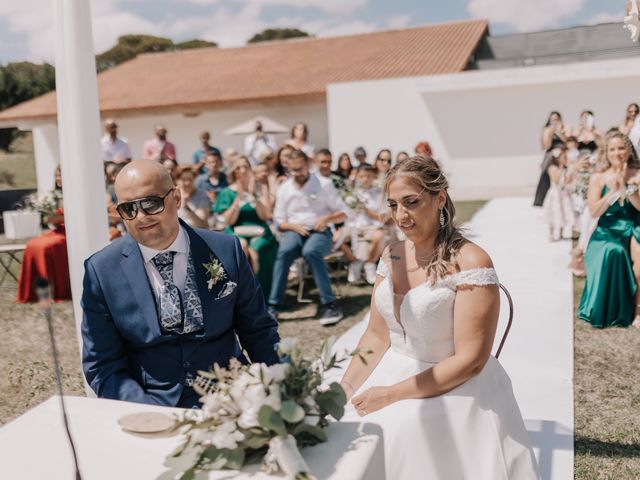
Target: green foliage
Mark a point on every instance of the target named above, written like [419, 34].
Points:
[190, 44]
[129, 46]
[277, 34]
[22, 81]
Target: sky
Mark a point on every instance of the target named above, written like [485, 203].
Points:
[26, 26]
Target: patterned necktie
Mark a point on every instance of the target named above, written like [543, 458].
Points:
[170, 304]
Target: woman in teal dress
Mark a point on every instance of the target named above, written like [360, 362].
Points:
[612, 259]
[246, 215]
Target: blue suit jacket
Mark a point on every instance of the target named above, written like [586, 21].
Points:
[125, 355]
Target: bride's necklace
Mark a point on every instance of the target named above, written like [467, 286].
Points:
[422, 262]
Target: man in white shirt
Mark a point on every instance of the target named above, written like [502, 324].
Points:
[114, 148]
[305, 206]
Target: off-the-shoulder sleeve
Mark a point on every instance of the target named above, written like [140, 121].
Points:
[383, 269]
[474, 276]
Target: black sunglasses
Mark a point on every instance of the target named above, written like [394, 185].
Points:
[152, 205]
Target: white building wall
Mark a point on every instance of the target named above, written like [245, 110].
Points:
[184, 131]
[484, 126]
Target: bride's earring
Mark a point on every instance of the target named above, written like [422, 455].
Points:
[441, 218]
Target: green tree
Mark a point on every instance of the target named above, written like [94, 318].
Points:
[277, 34]
[22, 81]
[129, 46]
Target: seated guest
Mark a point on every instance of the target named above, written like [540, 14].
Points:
[159, 148]
[424, 149]
[266, 183]
[46, 256]
[242, 207]
[199, 156]
[214, 180]
[345, 167]
[114, 148]
[170, 166]
[282, 163]
[401, 156]
[195, 206]
[306, 204]
[360, 154]
[382, 166]
[299, 139]
[151, 316]
[367, 226]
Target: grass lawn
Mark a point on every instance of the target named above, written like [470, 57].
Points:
[17, 168]
[606, 400]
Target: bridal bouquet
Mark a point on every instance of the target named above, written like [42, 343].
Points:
[46, 205]
[258, 412]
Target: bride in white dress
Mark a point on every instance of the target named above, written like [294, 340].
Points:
[445, 405]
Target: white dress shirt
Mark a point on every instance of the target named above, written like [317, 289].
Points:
[373, 199]
[255, 147]
[181, 246]
[305, 205]
[117, 151]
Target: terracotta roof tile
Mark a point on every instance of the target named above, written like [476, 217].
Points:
[274, 71]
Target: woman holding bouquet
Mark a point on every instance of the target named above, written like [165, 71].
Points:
[46, 256]
[444, 403]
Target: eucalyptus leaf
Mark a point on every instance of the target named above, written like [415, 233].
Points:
[235, 458]
[271, 420]
[291, 412]
[313, 430]
[256, 441]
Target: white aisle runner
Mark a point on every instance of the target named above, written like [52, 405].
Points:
[538, 354]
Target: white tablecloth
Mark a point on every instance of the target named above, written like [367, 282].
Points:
[34, 446]
[20, 224]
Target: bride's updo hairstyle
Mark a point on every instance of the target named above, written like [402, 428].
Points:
[425, 173]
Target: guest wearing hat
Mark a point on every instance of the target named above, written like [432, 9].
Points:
[115, 149]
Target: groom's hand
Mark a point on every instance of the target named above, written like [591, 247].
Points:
[372, 400]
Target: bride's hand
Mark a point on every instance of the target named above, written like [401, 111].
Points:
[372, 400]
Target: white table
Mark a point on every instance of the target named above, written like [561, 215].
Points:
[34, 446]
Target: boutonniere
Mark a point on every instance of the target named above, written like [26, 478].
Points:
[215, 271]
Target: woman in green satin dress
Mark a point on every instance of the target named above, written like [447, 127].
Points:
[612, 259]
[240, 206]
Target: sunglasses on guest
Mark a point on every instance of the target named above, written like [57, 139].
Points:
[385, 160]
[151, 205]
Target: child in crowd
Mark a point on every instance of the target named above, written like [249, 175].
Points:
[558, 205]
[367, 225]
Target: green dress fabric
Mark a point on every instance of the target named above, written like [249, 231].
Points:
[608, 296]
[266, 245]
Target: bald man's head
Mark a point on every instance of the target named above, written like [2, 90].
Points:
[145, 178]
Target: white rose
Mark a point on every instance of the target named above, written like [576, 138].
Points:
[277, 372]
[226, 436]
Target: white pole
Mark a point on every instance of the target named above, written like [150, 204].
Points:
[79, 132]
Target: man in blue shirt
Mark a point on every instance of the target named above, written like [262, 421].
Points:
[214, 180]
[200, 153]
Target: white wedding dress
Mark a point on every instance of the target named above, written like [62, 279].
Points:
[475, 431]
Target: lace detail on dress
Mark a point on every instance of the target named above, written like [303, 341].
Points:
[474, 276]
[383, 269]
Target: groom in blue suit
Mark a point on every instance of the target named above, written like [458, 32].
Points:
[153, 314]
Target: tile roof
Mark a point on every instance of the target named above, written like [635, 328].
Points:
[294, 70]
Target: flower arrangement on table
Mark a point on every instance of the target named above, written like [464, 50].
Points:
[47, 205]
[255, 413]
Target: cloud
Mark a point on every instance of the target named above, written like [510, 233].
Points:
[399, 21]
[329, 6]
[525, 15]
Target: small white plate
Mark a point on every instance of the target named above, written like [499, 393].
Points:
[146, 422]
